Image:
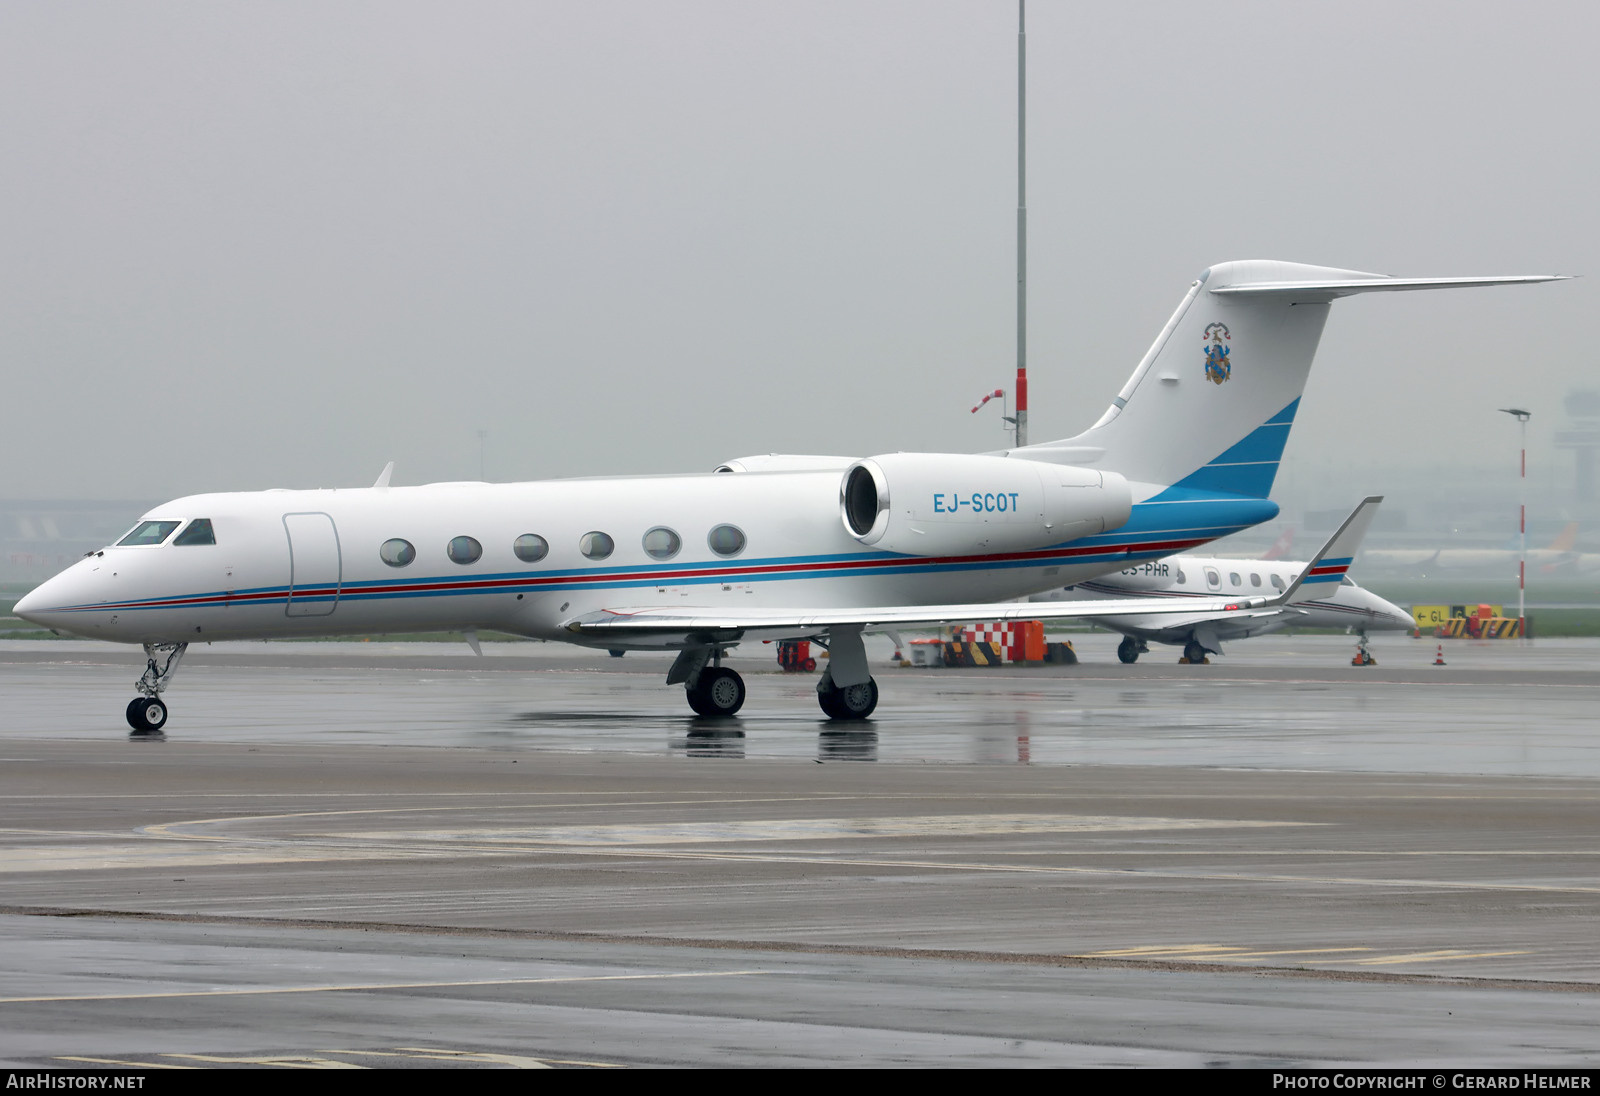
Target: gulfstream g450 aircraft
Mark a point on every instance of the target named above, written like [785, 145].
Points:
[802, 547]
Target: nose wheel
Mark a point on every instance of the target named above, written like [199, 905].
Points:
[147, 713]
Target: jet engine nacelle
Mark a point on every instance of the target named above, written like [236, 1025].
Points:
[941, 504]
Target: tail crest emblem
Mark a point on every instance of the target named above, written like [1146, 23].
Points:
[1218, 367]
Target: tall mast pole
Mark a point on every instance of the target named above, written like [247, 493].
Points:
[1522, 416]
[1022, 224]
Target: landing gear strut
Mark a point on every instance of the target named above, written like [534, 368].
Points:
[146, 713]
[1363, 656]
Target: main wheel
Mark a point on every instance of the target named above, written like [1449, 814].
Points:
[718, 694]
[850, 702]
[1128, 649]
[1194, 652]
[146, 715]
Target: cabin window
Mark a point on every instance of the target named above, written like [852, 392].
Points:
[662, 543]
[531, 547]
[150, 532]
[397, 552]
[1212, 578]
[596, 545]
[199, 532]
[1277, 581]
[1233, 577]
[726, 540]
[464, 550]
[1255, 580]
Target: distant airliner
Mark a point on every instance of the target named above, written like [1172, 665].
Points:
[1177, 579]
[780, 547]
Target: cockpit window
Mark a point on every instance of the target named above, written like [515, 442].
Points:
[150, 532]
[199, 532]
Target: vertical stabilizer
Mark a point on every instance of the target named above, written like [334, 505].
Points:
[1210, 406]
[1329, 565]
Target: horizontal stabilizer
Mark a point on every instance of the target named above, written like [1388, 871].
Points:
[1332, 289]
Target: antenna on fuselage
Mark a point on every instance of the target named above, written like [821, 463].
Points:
[383, 477]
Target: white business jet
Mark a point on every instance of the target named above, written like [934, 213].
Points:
[778, 547]
[1180, 579]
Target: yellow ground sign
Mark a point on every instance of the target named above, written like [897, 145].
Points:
[1431, 616]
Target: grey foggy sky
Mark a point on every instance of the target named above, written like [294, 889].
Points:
[257, 245]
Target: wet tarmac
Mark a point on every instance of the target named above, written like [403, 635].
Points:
[403, 855]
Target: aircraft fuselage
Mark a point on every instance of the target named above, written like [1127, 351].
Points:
[312, 563]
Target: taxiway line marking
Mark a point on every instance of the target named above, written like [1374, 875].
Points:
[118, 1062]
[1436, 956]
[374, 986]
[1218, 951]
[288, 1061]
[1137, 873]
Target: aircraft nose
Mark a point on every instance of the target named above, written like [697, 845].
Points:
[1390, 616]
[46, 604]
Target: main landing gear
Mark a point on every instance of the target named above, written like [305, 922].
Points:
[716, 692]
[1194, 654]
[849, 701]
[713, 690]
[147, 714]
[1130, 649]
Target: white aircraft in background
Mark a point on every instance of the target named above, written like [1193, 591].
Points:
[1196, 578]
[803, 548]
[1559, 557]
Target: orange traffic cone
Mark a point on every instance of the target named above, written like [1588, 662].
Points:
[1438, 659]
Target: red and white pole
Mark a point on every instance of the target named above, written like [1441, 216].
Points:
[1522, 416]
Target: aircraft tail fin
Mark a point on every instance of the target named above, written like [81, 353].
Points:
[1210, 406]
[1281, 547]
[1331, 562]
[1565, 540]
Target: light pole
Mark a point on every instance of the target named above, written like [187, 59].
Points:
[1522, 418]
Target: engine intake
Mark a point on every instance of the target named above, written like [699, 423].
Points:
[939, 504]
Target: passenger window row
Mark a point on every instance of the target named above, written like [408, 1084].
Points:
[659, 543]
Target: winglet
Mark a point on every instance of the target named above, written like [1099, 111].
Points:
[383, 477]
[1335, 557]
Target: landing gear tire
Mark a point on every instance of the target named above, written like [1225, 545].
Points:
[1128, 650]
[147, 715]
[616, 653]
[850, 702]
[1194, 652]
[718, 694]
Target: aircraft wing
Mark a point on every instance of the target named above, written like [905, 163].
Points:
[798, 623]
[711, 625]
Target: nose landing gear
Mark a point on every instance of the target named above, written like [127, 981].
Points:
[147, 713]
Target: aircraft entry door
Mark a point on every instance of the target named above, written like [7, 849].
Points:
[315, 569]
